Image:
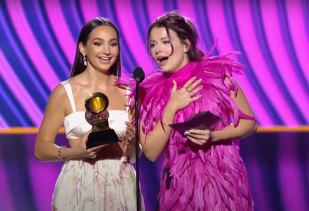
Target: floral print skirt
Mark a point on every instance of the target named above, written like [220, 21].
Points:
[107, 184]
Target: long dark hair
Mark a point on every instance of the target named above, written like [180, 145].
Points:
[78, 65]
[184, 29]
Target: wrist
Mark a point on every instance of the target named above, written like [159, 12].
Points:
[60, 154]
[70, 153]
[214, 136]
[170, 108]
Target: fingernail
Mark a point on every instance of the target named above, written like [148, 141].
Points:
[187, 132]
[200, 80]
[200, 96]
[194, 78]
[201, 87]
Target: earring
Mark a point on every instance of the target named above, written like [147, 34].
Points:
[85, 60]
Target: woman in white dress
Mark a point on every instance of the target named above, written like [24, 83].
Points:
[100, 178]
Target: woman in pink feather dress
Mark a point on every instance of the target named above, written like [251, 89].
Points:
[204, 170]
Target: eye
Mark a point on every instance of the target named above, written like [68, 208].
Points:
[114, 44]
[97, 43]
[152, 45]
[166, 42]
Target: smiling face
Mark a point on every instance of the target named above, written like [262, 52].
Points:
[101, 49]
[168, 50]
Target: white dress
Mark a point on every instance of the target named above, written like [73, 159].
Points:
[106, 185]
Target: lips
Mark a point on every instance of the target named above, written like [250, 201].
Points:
[162, 60]
[105, 60]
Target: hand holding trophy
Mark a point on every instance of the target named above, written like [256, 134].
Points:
[97, 115]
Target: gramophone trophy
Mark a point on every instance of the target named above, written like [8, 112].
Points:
[97, 115]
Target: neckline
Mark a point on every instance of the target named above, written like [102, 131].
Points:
[84, 112]
[73, 102]
[182, 73]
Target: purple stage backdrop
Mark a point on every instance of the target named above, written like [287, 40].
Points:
[277, 165]
[38, 40]
[37, 46]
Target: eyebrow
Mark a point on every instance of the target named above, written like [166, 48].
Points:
[160, 39]
[113, 39]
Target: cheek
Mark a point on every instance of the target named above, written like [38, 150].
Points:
[92, 50]
[177, 54]
[152, 52]
[115, 51]
[167, 49]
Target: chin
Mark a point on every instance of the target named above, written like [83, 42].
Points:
[167, 70]
[106, 72]
[103, 70]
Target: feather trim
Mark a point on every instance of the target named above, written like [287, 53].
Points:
[202, 178]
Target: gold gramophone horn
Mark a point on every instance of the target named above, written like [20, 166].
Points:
[96, 103]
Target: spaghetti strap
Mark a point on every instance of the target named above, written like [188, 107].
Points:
[68, 89]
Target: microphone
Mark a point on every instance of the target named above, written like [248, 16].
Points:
[138, 74]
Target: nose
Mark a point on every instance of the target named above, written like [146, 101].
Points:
[158, 48]
[106, 49]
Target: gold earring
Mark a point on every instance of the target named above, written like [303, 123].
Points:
[85, 60]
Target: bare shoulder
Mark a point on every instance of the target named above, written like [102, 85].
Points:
[58, 100]
[54, 114]
[240, 99]
[58, 94]
[239, 89]
[228, 79]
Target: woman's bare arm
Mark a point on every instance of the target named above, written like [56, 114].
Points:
[245, 127]
[45, 148]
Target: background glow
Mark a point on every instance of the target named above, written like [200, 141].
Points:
[38, 40]
[37, 47]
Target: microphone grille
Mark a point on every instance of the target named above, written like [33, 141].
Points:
[138, 74]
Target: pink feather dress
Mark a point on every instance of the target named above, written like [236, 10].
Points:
[199, 177]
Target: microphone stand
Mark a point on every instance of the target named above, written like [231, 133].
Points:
[137, 146]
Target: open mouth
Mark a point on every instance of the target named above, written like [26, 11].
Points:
[162, 60]
[105, 58]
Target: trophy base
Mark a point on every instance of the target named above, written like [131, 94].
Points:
[98, 138]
